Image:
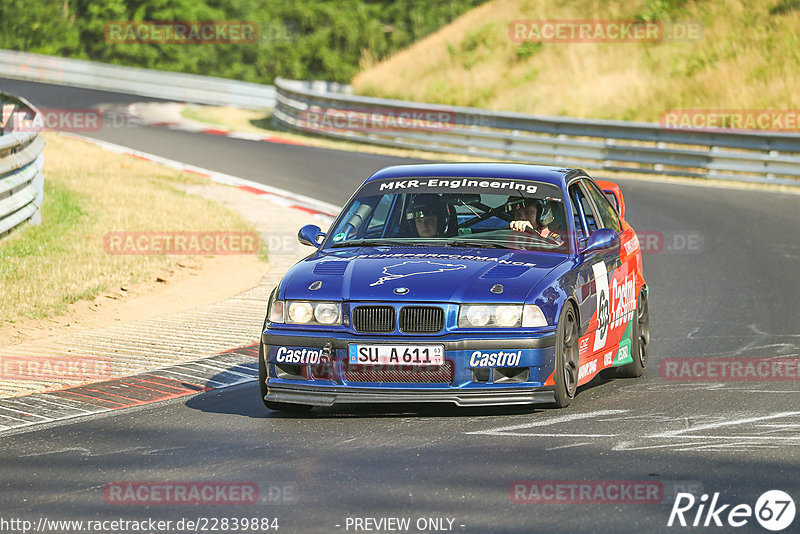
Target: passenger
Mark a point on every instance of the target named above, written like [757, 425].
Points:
[527, 218]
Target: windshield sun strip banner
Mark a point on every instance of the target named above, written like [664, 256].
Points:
[451, 184]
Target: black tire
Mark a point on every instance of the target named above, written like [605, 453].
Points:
[566, 371]
[640, 340]
[262, 387]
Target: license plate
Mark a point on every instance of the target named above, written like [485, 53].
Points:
[396, 354]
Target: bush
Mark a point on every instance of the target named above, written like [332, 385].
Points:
[304, 39]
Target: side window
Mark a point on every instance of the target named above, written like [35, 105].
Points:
[578, 196]
[613, 200]
[575, 195]
[607, 212]
[379, 215]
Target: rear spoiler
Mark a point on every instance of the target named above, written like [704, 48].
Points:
[614, 194]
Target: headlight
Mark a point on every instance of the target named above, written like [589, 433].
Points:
[508, 316]
[305, 312]
[327, 313]
[300, 312]
[500, 316]
[489, 315]
[478, 315]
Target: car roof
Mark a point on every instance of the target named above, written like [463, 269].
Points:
[519, 171]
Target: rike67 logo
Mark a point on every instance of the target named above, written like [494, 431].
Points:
[774, 510]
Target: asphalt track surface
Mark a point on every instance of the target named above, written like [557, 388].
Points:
[734, 294]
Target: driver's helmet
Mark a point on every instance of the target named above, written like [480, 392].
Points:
[427, 205]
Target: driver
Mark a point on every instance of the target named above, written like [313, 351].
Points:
[527, 216]
[428, 214]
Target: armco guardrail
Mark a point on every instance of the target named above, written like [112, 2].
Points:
[146, 82]
[612, 146]
[21, 160]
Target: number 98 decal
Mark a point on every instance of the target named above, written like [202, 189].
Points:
[603, 308]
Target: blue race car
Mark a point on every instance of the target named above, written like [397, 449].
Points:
[472, 284]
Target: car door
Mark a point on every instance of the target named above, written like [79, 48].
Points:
[595, 271]
[622, 279]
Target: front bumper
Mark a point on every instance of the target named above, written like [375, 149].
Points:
[463, 387]
[328, 396]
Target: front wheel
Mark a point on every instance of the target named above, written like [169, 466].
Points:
[566, 372]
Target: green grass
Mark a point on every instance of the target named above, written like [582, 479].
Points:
[63, 212]
[89, 192]
[745, 58]
[64, 215]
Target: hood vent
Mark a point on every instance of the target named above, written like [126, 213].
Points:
[505, 271]
[334, 268]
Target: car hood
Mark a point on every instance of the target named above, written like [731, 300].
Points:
[430, 274]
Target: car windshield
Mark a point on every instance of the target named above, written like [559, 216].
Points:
[522, 215]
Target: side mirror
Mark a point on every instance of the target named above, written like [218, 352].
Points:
[310, 235]
[602, 239]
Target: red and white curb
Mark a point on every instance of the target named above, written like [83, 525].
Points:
[226, 369]
[324, 211]
[222, 370]
[198, 128]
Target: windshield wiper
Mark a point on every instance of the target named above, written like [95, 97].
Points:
[477, 243]
[377, 243]
[474, 243]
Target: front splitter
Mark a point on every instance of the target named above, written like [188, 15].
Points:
[348, 395]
